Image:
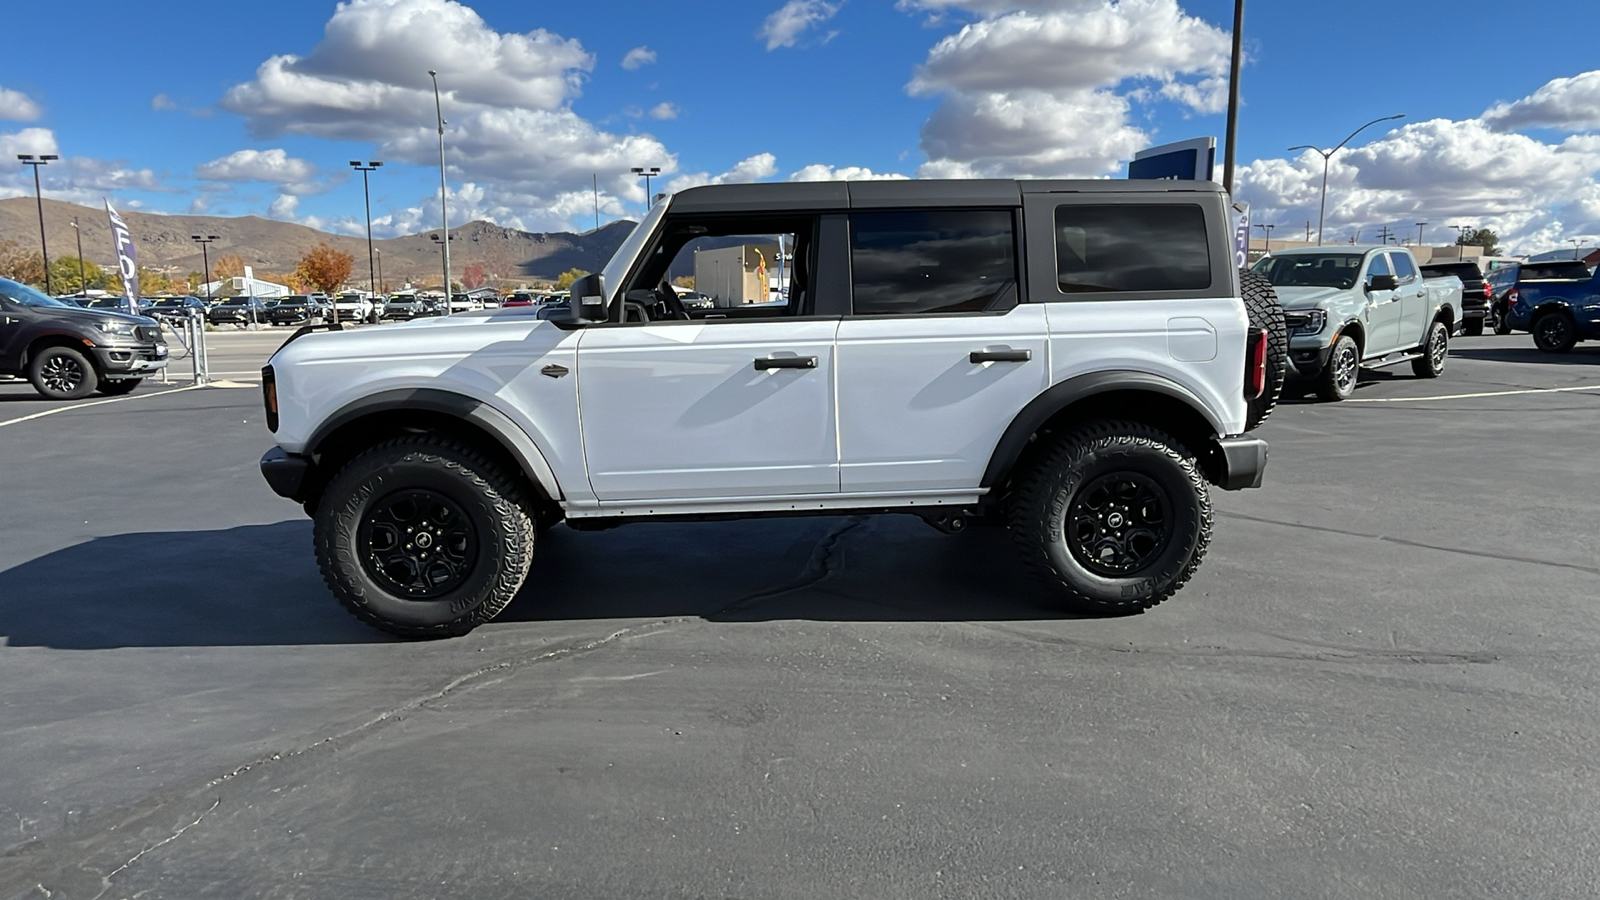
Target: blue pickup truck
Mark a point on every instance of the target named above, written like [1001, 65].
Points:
[1558, 312]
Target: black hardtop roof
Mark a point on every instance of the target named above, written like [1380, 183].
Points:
[812, 195]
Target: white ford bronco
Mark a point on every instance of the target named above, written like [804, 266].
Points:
[1074, 360]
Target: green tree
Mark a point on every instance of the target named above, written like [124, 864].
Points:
[1481, 237]
[67, 278]
[568, 277]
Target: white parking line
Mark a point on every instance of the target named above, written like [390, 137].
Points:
[62, 409]
[1588, 387]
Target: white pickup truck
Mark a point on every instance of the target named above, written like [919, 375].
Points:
[1355, 307]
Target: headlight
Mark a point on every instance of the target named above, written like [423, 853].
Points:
[1305, 321]
[123, 328]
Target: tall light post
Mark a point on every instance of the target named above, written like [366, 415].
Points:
[1268, 230]
[445, 244]
[1327, 155]
[444, 212]
[1420, 226]
[1461, 237]
[647, 173]
[366, 191]
[205, 260]
[83, 279]
[28, 159]
[381, 285]
[1574, 242]
[1233, 97]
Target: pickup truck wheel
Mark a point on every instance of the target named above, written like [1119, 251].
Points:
[1435, 350]
[421, 536]
[1262, 306]
[1553, 332]
[1115, 515]
[1502, 325]
[1472, 327]
[1338, 380]
[118, 388]
[62, 373]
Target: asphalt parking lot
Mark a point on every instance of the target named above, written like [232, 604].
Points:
[1383, 682]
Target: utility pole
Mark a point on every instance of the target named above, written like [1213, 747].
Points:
[1384, 234]
[1308, 231]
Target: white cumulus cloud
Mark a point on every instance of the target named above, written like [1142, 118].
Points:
[664, 111]
[821, 172]
[17, 106]
[754, 168]
[638, 57]
[785, 26]
[1568, 104]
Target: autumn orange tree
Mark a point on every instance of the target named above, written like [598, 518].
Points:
[325, 268]
[227, 266]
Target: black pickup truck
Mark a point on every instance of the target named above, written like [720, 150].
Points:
[69, 352]
[1474, 292]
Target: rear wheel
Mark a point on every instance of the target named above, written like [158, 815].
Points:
[1262, 306]
[1115, 515]
[1501, 324]
[1435, 350]
[62, 373]
[1553, 332]
[1338, 379]
[422, 536]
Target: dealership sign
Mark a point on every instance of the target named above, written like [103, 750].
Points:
[1191, 160]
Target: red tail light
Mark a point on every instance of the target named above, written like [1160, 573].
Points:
[1488, 292]
[1255, 365]
[1511, 298]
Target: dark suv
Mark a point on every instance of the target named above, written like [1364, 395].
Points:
[1474, 292]
[237, 311]
[298, 309]
[69, 352]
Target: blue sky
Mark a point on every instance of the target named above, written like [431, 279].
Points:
[204, 107]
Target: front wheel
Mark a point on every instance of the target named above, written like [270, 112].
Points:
[1435, 349]
[62, 373]
[1553, 332]
[1115, 515]
[422, 536]
[1338, 380]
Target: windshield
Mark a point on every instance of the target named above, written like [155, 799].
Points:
[623, 258]
[27, 296]
[1335, 270]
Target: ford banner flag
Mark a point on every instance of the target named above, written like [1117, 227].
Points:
[127, 258]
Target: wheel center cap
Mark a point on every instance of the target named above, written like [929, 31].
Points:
[424, 540]
[1114, 520]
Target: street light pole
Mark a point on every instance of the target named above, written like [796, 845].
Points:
[28, 159]
[83, 280]
[444, 212]
[648, 173]
[1574, 242]
[205, 260]
[1233, 96]
[1420, 226]
[381, 285]
[1461, 237]
[366, 191]
[1327, 155]
[1268, 230]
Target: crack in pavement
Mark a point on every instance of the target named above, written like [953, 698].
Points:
[1405, 542]
[1333, 653]
[66, 858]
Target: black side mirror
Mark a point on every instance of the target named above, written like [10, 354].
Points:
[1382, 282]
[588, 303]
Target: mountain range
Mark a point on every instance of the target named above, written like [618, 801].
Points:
[164, 242]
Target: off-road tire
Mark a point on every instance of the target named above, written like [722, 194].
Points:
[1046, 493]
[1330, 384]
[1472, 328]
[1435, 350]
[1262, 306]
[1553, 332]
[118, 388]
[62, 373]
[494, 503]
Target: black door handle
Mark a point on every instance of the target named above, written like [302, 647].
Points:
[785, 362]
[983, 356]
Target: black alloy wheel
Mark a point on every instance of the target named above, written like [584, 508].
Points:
[62, 373]
[1338, 380]
[417, 544]
[1553, 332]
[1118, 524]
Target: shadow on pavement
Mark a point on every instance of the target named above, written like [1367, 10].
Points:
[259, 585]
[1580, 355]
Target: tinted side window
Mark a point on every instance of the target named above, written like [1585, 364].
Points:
[1379, 265]
[910, 262]
[1132, 248]
[1402, 267]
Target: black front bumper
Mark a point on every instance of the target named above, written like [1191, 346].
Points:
[1308, 362]
[288, 474]
[1243, 462]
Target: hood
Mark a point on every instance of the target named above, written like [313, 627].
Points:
[77, 313]
[1304, 297]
